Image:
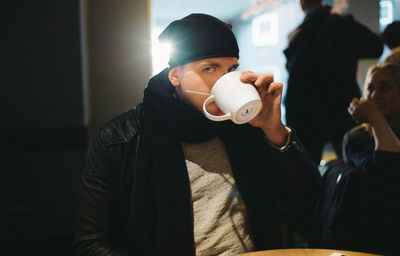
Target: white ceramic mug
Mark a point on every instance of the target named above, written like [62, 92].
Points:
[239, 101]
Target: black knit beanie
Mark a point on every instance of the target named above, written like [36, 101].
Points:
[199, 36]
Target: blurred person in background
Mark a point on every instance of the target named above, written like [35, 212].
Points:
[322, 58]
[391, 38]
[360, 199]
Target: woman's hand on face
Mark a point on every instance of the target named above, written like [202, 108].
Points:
[366, 111]
[362, 110]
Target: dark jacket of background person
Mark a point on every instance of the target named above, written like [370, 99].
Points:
[120, 212]
[391, 38]
[322, 61]
[360, 201]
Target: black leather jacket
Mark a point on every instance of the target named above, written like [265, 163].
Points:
[117, 213]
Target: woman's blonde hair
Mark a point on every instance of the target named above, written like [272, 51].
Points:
[392, 70]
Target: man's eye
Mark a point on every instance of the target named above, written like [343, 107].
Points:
[209, 69]
[232, 69]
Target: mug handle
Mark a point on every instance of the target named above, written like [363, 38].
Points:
[212, 117]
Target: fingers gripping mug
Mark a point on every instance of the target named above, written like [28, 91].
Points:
[239, 101]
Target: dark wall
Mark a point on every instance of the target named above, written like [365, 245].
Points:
[43, 66]
[43, 135]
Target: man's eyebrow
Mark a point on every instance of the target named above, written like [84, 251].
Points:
[209, 63]
[216, 64]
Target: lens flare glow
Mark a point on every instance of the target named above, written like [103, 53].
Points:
[159, 51]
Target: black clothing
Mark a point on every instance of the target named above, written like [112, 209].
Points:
[358, 146]
[360, 200]
[322, 61]
[135, 193]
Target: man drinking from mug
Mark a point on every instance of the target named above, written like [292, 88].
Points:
[162, 179]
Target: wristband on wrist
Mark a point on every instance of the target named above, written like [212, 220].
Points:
[288, 141]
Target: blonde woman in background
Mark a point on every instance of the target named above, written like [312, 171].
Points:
[360, 205]
[379, 113]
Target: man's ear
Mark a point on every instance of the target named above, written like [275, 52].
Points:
[173, 77]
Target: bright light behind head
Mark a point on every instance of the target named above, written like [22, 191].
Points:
[159, 52]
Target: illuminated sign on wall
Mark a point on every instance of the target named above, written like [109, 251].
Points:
[385, 13]
[265, 30]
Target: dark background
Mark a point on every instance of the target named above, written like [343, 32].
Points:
[43, 135]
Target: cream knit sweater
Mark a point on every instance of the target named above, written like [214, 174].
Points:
[219, 214]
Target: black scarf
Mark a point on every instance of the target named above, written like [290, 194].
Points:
[170, 121]
[179, 119]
